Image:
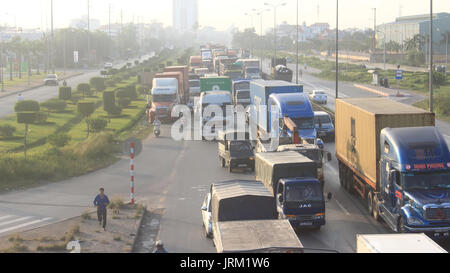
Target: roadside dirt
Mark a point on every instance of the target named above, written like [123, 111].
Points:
[81, 234]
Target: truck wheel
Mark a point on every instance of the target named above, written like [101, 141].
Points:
[370, 202]
[222, 162]
[376, 210]
[230, 169]
[401, 225]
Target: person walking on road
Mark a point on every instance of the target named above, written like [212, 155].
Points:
[19, 98]
[101, 201]
[160, 248]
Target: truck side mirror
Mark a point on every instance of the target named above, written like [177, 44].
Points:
[280, 198]
[329, 157]
[204, 208]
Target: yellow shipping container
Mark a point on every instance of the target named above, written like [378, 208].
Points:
[359, 122]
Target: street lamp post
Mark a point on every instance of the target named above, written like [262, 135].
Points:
[431, 56]
[275, 25]
[251, 14]
[337, 49]
[260, 13]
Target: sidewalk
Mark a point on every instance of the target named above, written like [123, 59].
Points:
[35, 83]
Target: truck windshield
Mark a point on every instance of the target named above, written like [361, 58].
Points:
[426, 181]
[322, 119]
[243, 95]
[303, 192]
[240, 146]
[253, 70]
[163, 98]
[305, 123]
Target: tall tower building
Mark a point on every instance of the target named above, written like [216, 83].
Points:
[185, 15]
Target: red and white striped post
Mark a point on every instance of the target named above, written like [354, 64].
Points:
[132, 151]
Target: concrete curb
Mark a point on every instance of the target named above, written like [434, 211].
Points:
[138, 232]
[8, 94]
[371, 90]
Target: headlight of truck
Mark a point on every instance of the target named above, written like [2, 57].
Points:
[291, 217]
[412, 221]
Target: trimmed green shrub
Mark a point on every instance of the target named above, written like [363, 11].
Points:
[98, 124]
[86, 109]
[7, 130]
[27, 106]
[132, 91]
[124, 102]
[65, 93]
[113, 71]
[26, 117]
[104, 73]
[59, 140]
[109, 101]
[110, 83]
[116, 111]
[41, 117]
[85, 89]
[98, 83]
[54, 105]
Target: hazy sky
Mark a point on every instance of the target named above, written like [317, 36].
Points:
[218, 13]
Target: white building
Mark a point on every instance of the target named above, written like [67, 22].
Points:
[185, 15]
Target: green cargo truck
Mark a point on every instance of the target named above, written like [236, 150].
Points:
[216, 84]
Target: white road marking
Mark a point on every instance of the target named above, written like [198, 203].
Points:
[14, 221]
[342, 207]
[24, 225]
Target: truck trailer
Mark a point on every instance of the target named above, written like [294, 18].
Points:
[392, 156]
[396, 243]
[184, 89]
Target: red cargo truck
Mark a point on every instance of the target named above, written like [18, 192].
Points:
[184, 87]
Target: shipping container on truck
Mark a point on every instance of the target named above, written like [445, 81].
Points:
[216, 84]
[359, 122]
[195, 62]
[185, 88]
[260, 91]
[392, 155]
[396, 243]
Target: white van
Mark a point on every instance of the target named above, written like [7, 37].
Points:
[219, 98]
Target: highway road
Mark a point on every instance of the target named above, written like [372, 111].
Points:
[44, 93]
[174, 178]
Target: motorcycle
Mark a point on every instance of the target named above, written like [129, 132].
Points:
[157, 128]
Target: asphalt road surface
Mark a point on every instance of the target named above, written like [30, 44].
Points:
[44, 93]
[175, 177]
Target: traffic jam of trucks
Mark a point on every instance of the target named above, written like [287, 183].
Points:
[389, 154]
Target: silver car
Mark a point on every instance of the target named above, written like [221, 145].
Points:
[51, 79]
[318, 96]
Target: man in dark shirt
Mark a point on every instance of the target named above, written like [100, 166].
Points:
[101, 201]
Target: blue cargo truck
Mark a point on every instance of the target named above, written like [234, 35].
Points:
[290, 104]
[392, 156]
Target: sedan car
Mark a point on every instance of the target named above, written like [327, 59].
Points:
[318, 96]
[51, 79]
[206, 216]
[324, 125]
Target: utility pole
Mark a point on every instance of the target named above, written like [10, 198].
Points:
[431, 56]
[374, 31]
[296, 42]
[89, 33]
[337, 49]
[52, 63]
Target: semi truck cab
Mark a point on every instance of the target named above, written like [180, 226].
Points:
[415, 181]
[298, 108]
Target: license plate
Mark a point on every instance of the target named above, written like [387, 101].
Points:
[306, 224]
[242, 165]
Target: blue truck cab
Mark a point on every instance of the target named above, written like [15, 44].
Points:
[292, 179]
[414, 194]
[297, 107]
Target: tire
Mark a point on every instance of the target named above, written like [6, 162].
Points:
[230, 169]
[401, 225]
[376, 210]
[222, 162]
[370, 202]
